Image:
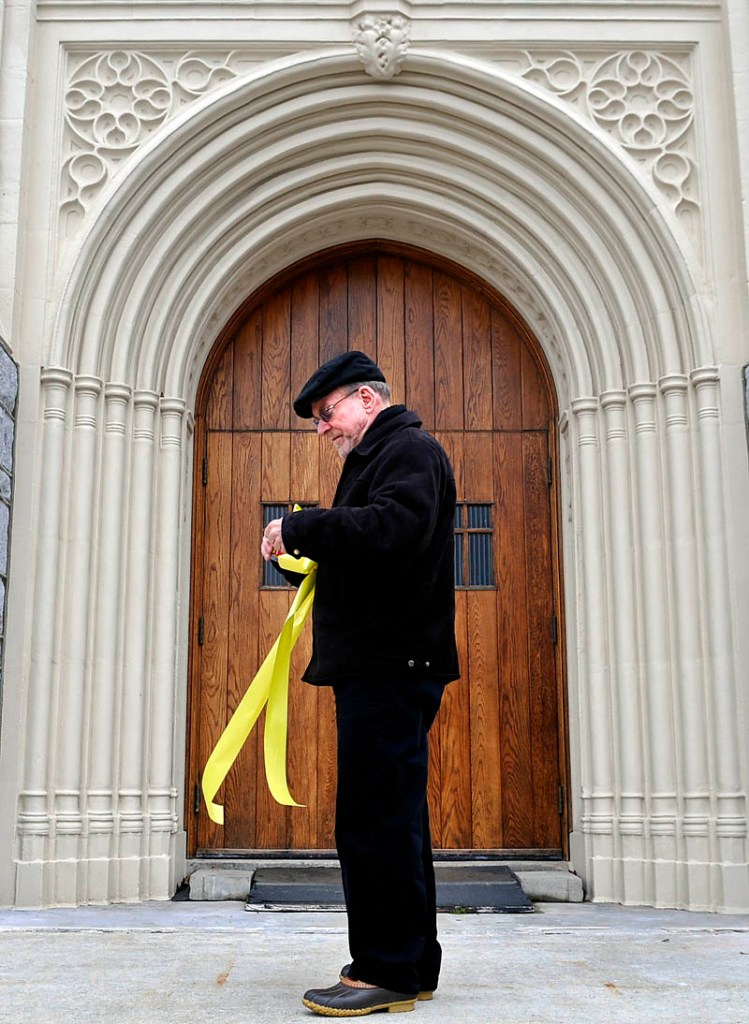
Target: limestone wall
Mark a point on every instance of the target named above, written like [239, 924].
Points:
[585, 160]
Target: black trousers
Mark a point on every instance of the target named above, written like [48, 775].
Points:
[382, 830]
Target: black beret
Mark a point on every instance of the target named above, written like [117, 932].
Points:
[347, 368]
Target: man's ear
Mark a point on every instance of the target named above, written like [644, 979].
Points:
[368, 398]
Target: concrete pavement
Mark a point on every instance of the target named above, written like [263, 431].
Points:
[164, 963]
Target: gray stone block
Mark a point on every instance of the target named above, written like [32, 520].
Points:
[8, 381]
[4, 531]
[220, 884]
[7, 433]
[551, 886]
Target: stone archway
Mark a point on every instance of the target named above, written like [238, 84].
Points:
[258, 175]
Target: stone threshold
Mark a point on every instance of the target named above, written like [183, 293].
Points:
[211, 878]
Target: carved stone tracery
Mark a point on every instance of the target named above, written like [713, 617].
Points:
[115, 99]
[642, 99]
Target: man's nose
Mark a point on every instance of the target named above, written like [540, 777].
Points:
[322, 426]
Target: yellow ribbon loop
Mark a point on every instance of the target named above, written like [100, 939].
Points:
[269, 687]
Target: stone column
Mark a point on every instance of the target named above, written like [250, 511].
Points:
[655, 651]
[162, 792]
[730, 873]
[71, 744]
[110, 639]
[138, 609]
[689, 690]
[598, 784]
[625, 649]
[33, 805]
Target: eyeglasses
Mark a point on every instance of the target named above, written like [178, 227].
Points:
[326, 415]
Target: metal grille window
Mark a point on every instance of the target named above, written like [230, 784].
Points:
[271, 576]
[474, 546]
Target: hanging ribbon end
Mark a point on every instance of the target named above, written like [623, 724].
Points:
[215, 812]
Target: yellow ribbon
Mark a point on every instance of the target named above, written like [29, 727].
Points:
[269, 687]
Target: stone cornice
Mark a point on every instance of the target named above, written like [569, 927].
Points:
[328, 10]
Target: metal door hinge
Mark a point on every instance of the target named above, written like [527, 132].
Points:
[205, 470]
[561, 800]
[201, 631]
[554, 630]
[196, 799]
[549, 471]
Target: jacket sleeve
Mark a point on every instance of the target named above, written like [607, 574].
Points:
[397, 522]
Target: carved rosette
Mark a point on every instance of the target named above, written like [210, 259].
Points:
[643, 100]
[113, 101]
[382, 41]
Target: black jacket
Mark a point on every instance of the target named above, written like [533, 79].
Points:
[385, 596]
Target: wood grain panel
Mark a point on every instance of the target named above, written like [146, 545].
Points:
[486, 771]
[275, 468]
[536, 410]
[477, 360]
[453, 443]
[305, 357]
[333, 311]
[219, 402]
[449, 397]
[362, 305]
[434, 788]
[390, 326]
[541, 655]
[276, 362]
[327, 747]
[248, 374]
[243, 655]
[478, 463]
[304, 467]
[419, 341]
[512, 618]
[216, 592]
[506, 373]
[455, 749]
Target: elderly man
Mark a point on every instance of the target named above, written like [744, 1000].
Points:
[384, 639]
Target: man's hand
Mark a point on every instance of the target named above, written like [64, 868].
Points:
[272, 540]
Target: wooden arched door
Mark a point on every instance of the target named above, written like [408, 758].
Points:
[457, 355]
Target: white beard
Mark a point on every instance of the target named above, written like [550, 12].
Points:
[347, 445]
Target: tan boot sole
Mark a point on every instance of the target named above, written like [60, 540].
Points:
[328, 1011]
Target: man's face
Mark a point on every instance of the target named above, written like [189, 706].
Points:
[342, 418]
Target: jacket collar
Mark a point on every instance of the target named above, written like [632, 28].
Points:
[390, 420]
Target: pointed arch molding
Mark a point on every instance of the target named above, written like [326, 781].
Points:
[309, 151]
[293, 158]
